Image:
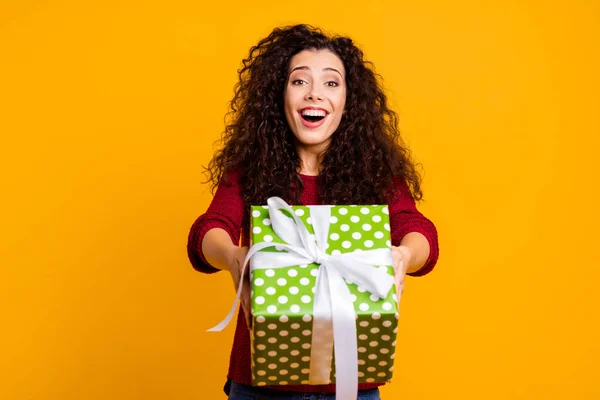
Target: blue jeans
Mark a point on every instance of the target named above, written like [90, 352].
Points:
[237, 391]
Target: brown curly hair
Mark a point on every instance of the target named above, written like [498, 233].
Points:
[365, 159]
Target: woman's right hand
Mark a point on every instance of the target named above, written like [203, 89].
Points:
[236, 261]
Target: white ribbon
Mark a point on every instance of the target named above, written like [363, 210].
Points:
[333, 310]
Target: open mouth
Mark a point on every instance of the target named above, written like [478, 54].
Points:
[313, 116]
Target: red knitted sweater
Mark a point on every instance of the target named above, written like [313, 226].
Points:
[226, 211]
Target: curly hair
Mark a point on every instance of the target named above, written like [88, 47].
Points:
[363, 163]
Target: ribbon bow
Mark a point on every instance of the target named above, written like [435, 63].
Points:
[334, 320]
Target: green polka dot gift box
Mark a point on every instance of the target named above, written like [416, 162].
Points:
[319, 273]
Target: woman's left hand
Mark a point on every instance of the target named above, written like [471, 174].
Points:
[401, 257]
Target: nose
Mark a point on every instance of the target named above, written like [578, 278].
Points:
[314, 93]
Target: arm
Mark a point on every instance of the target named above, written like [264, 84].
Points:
[215, 234]
[413, 230]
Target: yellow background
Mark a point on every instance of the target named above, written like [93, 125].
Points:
[108, 109]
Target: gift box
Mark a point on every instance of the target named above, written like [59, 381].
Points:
[291, 340]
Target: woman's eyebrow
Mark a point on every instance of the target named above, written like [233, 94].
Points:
[304, 67]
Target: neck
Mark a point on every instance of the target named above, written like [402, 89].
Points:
[310, 159]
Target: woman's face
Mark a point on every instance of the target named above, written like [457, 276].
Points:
[314, 97]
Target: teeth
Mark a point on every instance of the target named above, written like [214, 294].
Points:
[314, 113]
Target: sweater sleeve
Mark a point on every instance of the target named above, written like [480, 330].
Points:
[405, 218]
[226, 211]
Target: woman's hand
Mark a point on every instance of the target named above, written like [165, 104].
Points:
[401, 257]
[235, 262]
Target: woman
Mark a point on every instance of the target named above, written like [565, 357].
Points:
[308, 123]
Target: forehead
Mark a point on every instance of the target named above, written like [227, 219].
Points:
[317, 60]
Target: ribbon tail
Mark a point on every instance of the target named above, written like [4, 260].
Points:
[257, 247]
[344, 338]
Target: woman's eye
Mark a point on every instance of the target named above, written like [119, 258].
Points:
[298, 82]
[332, 83]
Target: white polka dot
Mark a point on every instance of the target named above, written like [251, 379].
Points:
[386, 306]
[304, 281]
[336, 252]
[381, 374]
[261, 373]
[283, 346]
[306, 318]
[282, 300]
[388, 243]
[371, 369]
[272, 309]
[394, 343]
[382, 363]
[378, 235]
[385, 337]
[284, 319]
[361, 290]
[299, 212]
[314, 272]
[272, 353]
[361, 374]
[334, 236]
[343, 211]
[303, 265]
[333, 220]
[261, 333]
[259, 300]
[295, 308]
[306, 299]
[307, 332]
[386, 226]
[260, 319]
[374, 343]
[256, 230]
[294, 377]
[283, 333]
[363, 337]
[384, 351]
[295, 340]
[361, 362]
[272, 366]
[375, 330]
[268, 238]
[392, 357]
[283, 372]
[346, 244]
[368, 243]
[256, 213]
[385, 210]
[356, 235]
[295, 326]
[376, 218]
[354, 298]
[305, 359]
[261, 346]
[305, 371]
[362, 349]
[295, 352]
[272, 326]
[278, 247]
[259, 282]
[281, 282]
[293, 273]
[374, 297]
[294, 365]
[366, 227]
[365, 210]
[294, 290]
[364, 324]
[306, 346]
[270, 290]
[387, 323]
[270, 273]
[309, 220]
[358, 250]
[372, 356]
[363, 306]
[267, 221]
[395, 297]
[354, 218]
[261, 383]
[345, 227]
